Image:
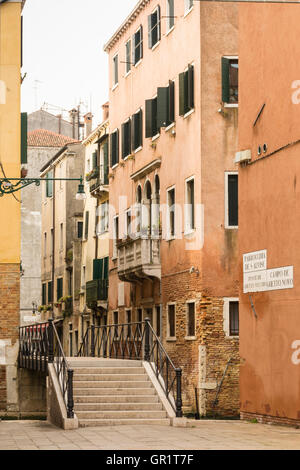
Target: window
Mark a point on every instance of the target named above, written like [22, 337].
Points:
[188, 5]
[79, 229]
[104, 164]
[114, 148]
[126, 138]
[45, 245]
[137, 130]
[190, 205]
[104, 217]
[137, 46]
[128, 229]
[86, 225]
[100, 268]
[115, 236]
[139, 315]
[230, 74]
[170, 14]
[171, 213]
[154, 27]
[233, 318]
[70, 339]
[50, 293]
[157, 308]
[191, 319]
[165, 105]
[59, 288]
[186, 91]
[152, 128]
[115, 70]
[171, 321]
[44, 294]
[49, 184]
[231, 200]
[128, 56]
[61, 237]
[83, 276]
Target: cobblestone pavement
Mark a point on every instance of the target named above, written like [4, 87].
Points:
[206, 435]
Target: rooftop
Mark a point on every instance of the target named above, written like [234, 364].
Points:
[44, 138]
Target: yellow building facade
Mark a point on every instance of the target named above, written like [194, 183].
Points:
[10, 207]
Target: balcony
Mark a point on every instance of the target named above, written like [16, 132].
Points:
[97, 293]
[139, 259]
[99, 182]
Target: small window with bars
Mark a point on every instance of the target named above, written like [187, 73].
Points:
[171, 321]
[230, 80]
[234, 328]
[231, 200]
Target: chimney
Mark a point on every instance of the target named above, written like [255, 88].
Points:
[73, 113]
[88, 123]
[105, 111]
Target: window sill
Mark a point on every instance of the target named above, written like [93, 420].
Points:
[170, 238]
[189, 113]
[232, 337]
[115, 166]
[190, 338]
[190, 232]
[231, 105]
[171, 339]
[155, 137]
[127, 73]
[138, 63]
[170, 127]
[231, 227]
[155, 46]
[188, 11]
[115, 86]
[138, 149]
[170, 30]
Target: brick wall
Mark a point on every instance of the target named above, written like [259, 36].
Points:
[9, 315]
[204, 359]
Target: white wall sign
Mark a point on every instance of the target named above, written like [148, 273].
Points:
[257, 278]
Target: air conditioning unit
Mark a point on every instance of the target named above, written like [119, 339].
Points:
[243, 156]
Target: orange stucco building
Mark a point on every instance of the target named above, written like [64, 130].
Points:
[173, 189]
[269, 196]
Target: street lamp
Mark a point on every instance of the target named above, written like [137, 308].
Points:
[11, 185]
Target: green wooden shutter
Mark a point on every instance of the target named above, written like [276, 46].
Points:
[44, 297]
[225, 64]
[181, 95]
[111, 149]
[50, 295]
[158, 23]
[149, 106]
[133, 131]
[191, 87]
[171, 101]
[150, 31]
[24, 138]
[140, 133]
[97, 269]
[105, 158]
[49, 184]
[117, 145]
[105, 268]
[162, 107]
[94, 157]
[86, 227]
[123, 140]
[141, 42]
[59, 288]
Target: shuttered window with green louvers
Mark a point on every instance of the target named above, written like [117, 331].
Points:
[100, 268]
[165, 105]
[44, 294]
[152, 128]
[230, 70]
[105, 163]
[137, 130]
[23, 138]
[126, 138]
[49, 184]
[94, 159]
[114, 148]
[186, 91]
[86, 225]
[59, 288]
[50, 293]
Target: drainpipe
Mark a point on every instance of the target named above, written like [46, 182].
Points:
[53, 242]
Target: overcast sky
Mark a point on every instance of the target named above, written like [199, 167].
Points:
[63, 51]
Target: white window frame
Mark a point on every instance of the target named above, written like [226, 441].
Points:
[187, 225]
[231, 105]
[116, 164]
[115, 70]
[128, 64]
[188, 7]
[226, 318]
[226, 215]
[188, 337]
[168, 225]
[141, 58]
[115, 236]
[126, 227]
[170, 28]
[171, 338]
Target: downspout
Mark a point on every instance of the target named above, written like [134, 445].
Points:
[53, 243]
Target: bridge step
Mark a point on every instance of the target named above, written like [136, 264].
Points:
[114, 391]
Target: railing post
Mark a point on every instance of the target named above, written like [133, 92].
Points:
[93, 340]
[147, 340]
[178, 394]
[51, 341]
[70, 402]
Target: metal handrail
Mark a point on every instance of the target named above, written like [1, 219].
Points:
[39, 345]
[136, 341]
